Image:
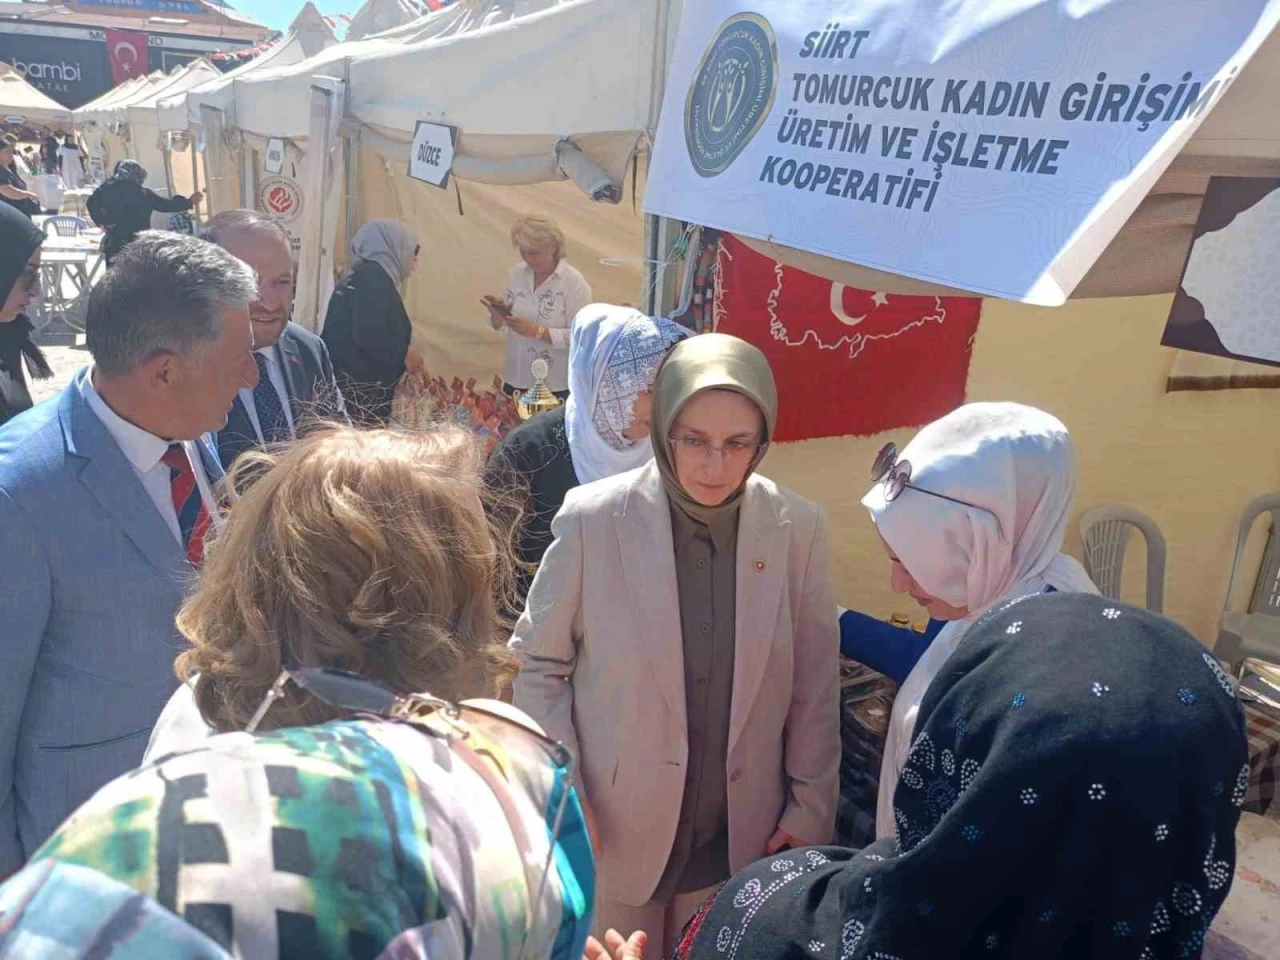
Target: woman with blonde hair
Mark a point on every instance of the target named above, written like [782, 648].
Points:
[370, 552]
[544, 293]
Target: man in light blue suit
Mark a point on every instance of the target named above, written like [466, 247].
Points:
[105, 494]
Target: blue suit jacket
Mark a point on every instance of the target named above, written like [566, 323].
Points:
[92, 579]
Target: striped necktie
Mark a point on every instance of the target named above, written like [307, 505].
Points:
[193, 515]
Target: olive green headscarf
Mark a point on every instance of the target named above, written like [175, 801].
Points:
[712, 361]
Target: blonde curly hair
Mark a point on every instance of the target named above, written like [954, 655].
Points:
[368, 551]
[539, 233]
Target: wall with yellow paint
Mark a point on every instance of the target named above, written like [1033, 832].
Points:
[1191, 461]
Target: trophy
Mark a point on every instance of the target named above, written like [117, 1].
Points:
[537, 399]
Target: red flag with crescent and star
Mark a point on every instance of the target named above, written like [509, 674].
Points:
[847, 361]
[127, 54]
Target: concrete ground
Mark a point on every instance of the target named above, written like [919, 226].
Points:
[65, 361]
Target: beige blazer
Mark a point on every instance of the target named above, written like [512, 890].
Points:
[603, 672]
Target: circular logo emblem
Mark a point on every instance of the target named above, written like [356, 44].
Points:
[731, 93]
[280, 198]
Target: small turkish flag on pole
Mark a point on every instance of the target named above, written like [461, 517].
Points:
[127, 54]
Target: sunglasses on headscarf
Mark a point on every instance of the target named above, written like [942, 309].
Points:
[471, 733]
[895, 474]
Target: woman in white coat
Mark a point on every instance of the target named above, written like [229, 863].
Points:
[972, 515]
[680, 638]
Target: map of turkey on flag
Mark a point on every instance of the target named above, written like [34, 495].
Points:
[127, 54]
[847, 361]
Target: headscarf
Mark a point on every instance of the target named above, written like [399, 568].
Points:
[129, 170]
[1074, 792]
[355, 838]
[614, 355]
[1017, 462]
[19, 238]
[712, 361]
[388, 243]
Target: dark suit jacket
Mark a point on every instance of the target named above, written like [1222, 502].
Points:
[313, 393]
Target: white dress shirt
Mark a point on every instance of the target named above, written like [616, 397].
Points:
[554, 304]
[276, 374]
[144, 451]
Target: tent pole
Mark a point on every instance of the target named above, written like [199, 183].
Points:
[195, 174]
[351, 176]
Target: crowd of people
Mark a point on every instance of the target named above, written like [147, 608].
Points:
[278, 678]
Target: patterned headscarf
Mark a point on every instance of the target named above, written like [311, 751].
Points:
[1073, 792]
[357, 838]
[614, 355]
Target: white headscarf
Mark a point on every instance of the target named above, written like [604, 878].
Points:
[388, 243]
[1018, 463]
[614, 354]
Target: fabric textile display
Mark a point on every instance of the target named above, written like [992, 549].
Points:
[847, 361]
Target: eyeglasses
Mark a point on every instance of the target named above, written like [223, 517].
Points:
[735, 450]
[29, 279]
[896, 476]
[471, 733]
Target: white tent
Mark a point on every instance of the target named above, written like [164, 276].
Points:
[377, 16]
[306, 36]
[515, 78]
[22, 103]
[141, 114]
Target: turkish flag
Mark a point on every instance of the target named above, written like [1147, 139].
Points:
[127, 54]
[847, 361]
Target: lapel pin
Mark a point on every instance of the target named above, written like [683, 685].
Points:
[759, 565]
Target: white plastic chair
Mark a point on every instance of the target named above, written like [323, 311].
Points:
[1105, 533]
[66, 226]
[1255, 632]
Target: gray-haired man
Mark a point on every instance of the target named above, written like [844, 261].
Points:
[295, 375]
[105, 492]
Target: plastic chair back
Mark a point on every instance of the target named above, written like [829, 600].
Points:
[65, 225]
[1255, 632]
[1105, 532]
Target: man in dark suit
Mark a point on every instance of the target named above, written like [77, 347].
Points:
[295, 377]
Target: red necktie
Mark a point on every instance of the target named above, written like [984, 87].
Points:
[193, 515]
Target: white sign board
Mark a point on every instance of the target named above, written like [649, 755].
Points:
[431, 156]
[992, 146]
[273, 160]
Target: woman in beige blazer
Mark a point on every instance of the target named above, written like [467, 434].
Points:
[680, 637]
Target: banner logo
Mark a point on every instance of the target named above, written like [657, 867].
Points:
[731, 93]
[280, 198]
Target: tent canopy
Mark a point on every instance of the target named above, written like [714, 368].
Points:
[515, 78]
[377, 16]
[307, 36]
[19, 99]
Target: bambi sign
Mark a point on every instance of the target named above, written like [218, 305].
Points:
[431, 156]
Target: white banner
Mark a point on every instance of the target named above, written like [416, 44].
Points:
[996, 145]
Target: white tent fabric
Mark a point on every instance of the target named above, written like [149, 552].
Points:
[307, 36]
[19, 99]
[377, 16]
[143, 118]
[515, 77]
[103, 111]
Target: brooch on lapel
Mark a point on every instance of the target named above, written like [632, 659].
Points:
[759, 566]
